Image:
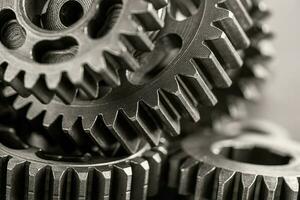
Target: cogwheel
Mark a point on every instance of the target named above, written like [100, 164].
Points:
[30, 173]
[246, 166]
[96, 40]
[198, 44]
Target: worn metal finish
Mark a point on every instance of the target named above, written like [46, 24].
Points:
[244, 166]
[96, 39]
[193, 54]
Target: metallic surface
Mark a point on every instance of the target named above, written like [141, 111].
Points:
[27, 174]
[191, 57]
[243, 167]
[98, 54]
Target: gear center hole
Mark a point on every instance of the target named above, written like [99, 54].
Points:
[255, 155]
[70, 13]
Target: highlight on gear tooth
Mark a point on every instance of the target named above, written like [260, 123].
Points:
[245, 166]
[61, 46]
[42, 172]
[176, 80]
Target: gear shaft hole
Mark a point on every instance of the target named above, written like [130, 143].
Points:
[255, 155]
[70, 13]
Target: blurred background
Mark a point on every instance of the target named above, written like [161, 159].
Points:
[282, 94]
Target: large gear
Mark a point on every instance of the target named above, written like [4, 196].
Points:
[97, 40]
[242, 166]
[192, 53]
[29, 173]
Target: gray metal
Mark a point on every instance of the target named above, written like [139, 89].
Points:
[245, 166]
[192, 55]
[103, 33]
[26, 173]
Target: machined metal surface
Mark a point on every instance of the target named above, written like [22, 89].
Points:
[192, 55]
[248, 165]
[56, 47]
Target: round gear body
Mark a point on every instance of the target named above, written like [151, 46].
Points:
[248, 165]
[191, 56]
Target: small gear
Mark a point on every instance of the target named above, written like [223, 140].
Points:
[96, 39]
[199, 42]
[243, 166]
[30, 173]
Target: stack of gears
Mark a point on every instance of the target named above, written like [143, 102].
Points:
[136, 100]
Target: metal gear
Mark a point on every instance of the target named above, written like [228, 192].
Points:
[192, 53]
[246, 166]
[96, 38]
[30, 173]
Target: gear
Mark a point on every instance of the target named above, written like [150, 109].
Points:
[248, 81]
[96, 39]
[192, 53]
[243, 166]
[30, 173]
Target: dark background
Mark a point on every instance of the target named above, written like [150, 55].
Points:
[281, 101]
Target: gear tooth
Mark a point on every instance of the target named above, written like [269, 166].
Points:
[200, 90]
[102, 135]
[140, 178]
[175, 162]
[98, 184]
[10, 74]
[260, 31]
[205, 182]
[41, 183]
[138, 40]
[225, 52]
[86, 82]
[187, 100]
[271, 187]
[69, 187]
[236, 108]
[122, 181]
[126, 132]
[290, 188]
[212, 70]
[259, 71]
[155, 162]
[150, 122]
[112, 64]
[17, 179]
[149, 19]
[234, 31]
[260, 11]
[225, 184]
[240, 13]
[31, 81]
[53, 81]
[168, 110]
[3, 175]
[19, 104]
[158, 4]
[188, 174]
[66, 90]
[247, 182]
[248, 4]
[130, 62]
[249, 89]
[81, 138]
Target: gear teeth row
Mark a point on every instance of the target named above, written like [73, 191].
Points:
[144, 18]
[135, 178]
[198, 179]
[181, 100]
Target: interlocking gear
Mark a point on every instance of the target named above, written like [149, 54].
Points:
[243, 166]
[30, 173]
[192, 53]
[96, 39]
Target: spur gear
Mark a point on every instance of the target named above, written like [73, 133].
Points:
[242, 166]
[95, 38]
[30, 173]
[198, 44]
